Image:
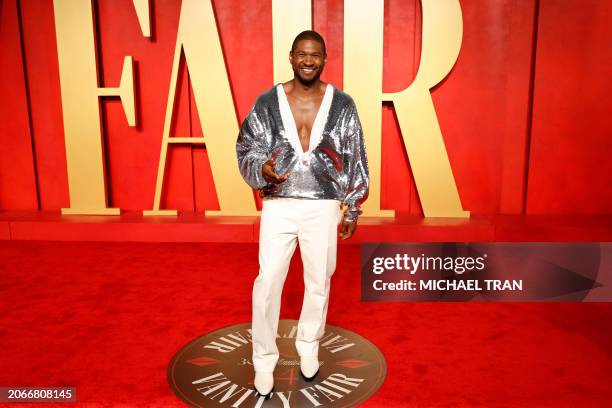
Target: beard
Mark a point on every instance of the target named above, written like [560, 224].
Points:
[307, 81]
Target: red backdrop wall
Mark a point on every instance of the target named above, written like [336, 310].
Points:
[523, 113]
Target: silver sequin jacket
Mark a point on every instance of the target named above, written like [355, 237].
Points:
[336, 167]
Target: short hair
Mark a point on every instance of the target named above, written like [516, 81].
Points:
[309, 35]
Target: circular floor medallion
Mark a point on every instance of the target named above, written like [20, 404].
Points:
[215, 370]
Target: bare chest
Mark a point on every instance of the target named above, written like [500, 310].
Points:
[304, 114]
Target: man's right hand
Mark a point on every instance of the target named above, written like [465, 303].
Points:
[267, 169]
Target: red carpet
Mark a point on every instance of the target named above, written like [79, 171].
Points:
[108, 317]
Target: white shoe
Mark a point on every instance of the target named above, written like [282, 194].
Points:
[309, 367]
[264, 383]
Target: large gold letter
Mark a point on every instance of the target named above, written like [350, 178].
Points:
[441, 41]
[198, 38]
[363, 57]
[81, 107]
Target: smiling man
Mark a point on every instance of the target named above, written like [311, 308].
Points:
[302, 146]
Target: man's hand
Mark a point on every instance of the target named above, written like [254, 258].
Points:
[267, 169]
[347, 229]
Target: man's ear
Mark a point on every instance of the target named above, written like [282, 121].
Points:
[291, 57]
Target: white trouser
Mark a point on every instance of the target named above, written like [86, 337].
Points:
[284, 222]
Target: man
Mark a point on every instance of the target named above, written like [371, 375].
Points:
[302, 146]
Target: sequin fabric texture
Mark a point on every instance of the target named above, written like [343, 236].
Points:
[334, 167]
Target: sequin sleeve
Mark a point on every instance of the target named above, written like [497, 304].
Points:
[252, 150]
[356, 164]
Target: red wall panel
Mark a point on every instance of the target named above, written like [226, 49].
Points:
[569, 164]
[17, 177]
[41, 68]
[482, 106]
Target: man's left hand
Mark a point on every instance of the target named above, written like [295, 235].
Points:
[347, 229]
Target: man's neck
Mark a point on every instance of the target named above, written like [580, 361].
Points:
[301, 89]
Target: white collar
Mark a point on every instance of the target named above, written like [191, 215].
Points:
[316, 133]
